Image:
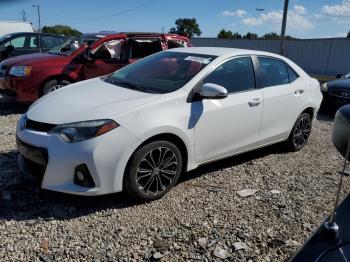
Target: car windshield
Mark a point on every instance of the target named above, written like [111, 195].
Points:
[71, 45]
[161, 73]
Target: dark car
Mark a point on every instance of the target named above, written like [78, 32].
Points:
[16, 44]
[26, 78]
[336, 92]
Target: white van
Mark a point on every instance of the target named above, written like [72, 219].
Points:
[7, 27]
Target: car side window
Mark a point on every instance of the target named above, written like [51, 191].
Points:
[17, 42]
[172, 43]
[108, 50]
[292, 74]
[33, 42]
[273, 72]
[236, 75]
[51, 42]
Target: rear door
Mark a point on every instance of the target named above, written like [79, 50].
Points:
[283, 92]
[105, 58]
[230, 125]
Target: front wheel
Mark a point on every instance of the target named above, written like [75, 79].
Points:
[153, 170]
[299, 136]
[53, 85]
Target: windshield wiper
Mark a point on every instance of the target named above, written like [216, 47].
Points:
[128, 85]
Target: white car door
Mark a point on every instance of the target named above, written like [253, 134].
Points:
[230, 125]
[284, 94]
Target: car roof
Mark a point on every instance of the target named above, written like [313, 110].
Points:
[31, 33]
[222, 51]
[130, 34]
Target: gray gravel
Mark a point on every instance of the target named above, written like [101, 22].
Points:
[206, 217]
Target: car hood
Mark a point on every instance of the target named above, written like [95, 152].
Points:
[30, 59]
[87, 100]
[339, 83]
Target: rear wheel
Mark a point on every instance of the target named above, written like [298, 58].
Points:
[53, 85]
[153, 170]
[299, 136]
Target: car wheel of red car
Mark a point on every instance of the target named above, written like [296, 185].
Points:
[53, 85]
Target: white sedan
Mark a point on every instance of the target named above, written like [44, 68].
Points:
[139, 128]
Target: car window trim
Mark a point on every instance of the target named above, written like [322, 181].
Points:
[290, 68]
[273, 58]
[200, 82]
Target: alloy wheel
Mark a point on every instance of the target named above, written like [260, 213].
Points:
[156, 171]
[302, 132]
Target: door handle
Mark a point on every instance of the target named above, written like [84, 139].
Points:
[299, 92]
[255, 102]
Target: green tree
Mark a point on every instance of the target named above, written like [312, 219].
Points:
[271, 36]
[225, 34]
[187, 26]
[236, 35]
[250, 35]
[348, 36]
[61, 30]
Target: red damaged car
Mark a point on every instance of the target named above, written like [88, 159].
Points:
[28, 77]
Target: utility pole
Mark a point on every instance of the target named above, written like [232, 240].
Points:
[284, 23]
[38, 8]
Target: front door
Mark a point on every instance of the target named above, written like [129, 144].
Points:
[230, 125]
[105, 59]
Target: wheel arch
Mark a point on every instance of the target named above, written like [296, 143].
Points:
[54, 77]
[170, 137]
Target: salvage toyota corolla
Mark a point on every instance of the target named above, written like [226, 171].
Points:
[142, 126]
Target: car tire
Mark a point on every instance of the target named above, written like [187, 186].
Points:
[300, 133]
[152, 171]
[53, 85]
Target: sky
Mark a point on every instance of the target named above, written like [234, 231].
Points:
[306, 19]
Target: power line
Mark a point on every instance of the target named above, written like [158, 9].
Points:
[109, 16]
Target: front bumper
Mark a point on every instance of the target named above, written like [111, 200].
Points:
[105, 156]
[16, 89]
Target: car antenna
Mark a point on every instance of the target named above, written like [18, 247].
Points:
[330, 227]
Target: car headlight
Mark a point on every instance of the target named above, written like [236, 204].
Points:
[20, 71]
[324, 87]
[79, 131]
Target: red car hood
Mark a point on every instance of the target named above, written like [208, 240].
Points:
[30, 59]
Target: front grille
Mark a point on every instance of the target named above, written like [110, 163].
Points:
[38, 126]
[35, 159]
[341, 93]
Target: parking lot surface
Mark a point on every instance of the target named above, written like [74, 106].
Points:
[205, 217]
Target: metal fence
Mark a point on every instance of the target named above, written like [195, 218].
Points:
[316, 56]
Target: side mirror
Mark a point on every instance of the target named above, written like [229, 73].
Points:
[212, 91]
[339, 76]
[341, 131]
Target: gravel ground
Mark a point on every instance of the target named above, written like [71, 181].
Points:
[203, 218]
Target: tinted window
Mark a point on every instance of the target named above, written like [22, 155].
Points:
[235, 75]
[292, 75]
[51, 42]
[140, 48]
[273, 72]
